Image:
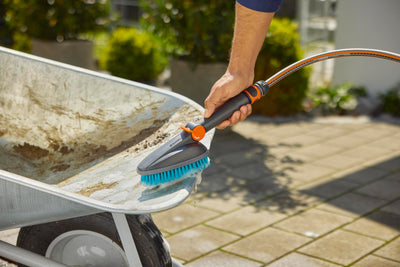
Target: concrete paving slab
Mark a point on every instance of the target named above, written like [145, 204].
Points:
[182, 217]
[290, 202]
[246, 220]
[267, 244]
[393, 207]
[222, 259]
[380, 225]
[313, 223]
[328, 188]
[196, 241]
[352, 205]
[300, 260]
[384, 189]
[374, 261]
[342, 247]
[390, 251]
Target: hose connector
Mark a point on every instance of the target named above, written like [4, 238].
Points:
[256, 91]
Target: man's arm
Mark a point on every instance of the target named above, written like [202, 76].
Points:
[251, 27]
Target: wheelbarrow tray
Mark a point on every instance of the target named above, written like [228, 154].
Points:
[71, 139]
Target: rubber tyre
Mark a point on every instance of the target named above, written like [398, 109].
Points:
[151, 246]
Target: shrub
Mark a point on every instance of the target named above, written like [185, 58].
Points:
[199, 31]
[280, 49]
[57, 19]
[337, 100]
[391, 101]
[134, 55]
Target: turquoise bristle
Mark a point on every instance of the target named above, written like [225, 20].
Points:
[171, 175]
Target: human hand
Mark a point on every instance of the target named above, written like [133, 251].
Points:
[228, 86]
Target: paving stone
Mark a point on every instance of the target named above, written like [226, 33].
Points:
[214, 168]
[250, 171]
[194, 242]
[391, 143]
[246, 220]
[222, 259]
[342, 247]
[217, 182]
[290, 202]
[302, 140]
[393, 208]
[327, 188]
[294, 159]
[381, 225]
[330, 131]
[390, 251]
[313, 223]
[10, 236]
[240, 158]
[265, 187]
[366, 152]
[267, 244]
[221, 202]
[318, 151]
[375, 132]
[182, 217]
[394, 177]
[338, 161]
[347, 141]
[252, 191]
[352, 205]
[373, 261]
[308, 172]
[363, 175]
[300, 260]
[384, 189]
[284, 130]
[390, 164]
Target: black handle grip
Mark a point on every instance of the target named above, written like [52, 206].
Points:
[248, 96]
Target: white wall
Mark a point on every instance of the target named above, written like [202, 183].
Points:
[368, 24]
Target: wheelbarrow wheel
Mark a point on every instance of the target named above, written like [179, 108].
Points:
[94, 241]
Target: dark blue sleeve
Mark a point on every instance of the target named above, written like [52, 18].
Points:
[261, 5]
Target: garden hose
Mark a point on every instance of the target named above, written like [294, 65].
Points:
[331, 54]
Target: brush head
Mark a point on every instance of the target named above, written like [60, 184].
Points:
[177, 158]
[174, 174]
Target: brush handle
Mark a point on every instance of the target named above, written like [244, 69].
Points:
[248, 96]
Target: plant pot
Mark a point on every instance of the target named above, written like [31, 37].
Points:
[194, 80]
[75, 52]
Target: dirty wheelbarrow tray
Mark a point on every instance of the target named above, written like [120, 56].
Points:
[71, 140]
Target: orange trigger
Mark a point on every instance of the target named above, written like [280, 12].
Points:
[198, 132]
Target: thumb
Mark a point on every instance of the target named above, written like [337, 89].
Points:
[209, 108]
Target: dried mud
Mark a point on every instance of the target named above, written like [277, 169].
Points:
[61, 159]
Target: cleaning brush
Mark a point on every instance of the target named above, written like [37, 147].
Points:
[184, 155]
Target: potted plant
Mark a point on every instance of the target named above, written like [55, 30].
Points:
[198, 35]
[57, 26]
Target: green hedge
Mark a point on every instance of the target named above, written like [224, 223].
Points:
[280, 49]
[134, 55]
[198, 30]
[391, 101]
[55, 19]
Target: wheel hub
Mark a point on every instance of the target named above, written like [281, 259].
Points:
[86, 248]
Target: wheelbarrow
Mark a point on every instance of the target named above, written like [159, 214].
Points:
[70, 142]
